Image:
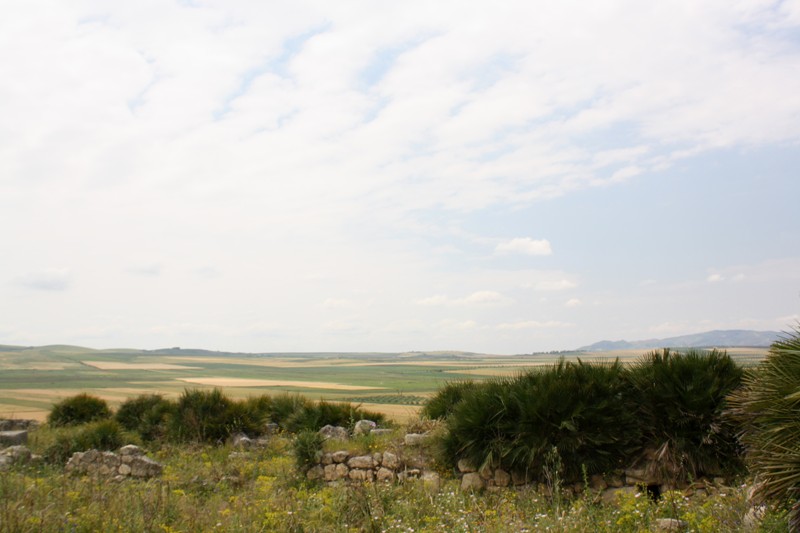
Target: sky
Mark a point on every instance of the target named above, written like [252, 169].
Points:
[496, 177]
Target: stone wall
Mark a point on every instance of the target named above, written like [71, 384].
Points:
[129, 462]
[607, 487]
[344, 467]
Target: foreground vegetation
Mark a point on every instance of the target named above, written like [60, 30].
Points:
[217, 488]
[693, 414]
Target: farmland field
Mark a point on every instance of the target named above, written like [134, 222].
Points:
[33, 378]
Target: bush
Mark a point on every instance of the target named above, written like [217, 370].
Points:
[766, 408]
[78, 409]
[104, 435]
[307, 448]
[313, 416]
[577, 408]
[207, 416]
[284, 406]
[446, 398]
[679, 399]
[147, 415]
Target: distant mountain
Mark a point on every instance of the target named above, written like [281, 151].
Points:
[717, 339]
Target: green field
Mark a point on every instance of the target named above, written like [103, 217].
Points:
[33, 378]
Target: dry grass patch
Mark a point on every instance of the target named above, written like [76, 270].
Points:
[244, 382]
[114, 365]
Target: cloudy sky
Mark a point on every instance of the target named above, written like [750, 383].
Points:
[502, 177]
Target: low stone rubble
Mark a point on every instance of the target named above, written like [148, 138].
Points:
[17, 455]
[130, 461]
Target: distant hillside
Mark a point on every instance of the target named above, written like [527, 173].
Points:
[718, 338]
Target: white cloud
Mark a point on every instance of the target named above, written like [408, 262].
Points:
[554, 285]
[338, 303]
[715, 278]
[532, 324]
[484, 298]
[525, 246]
[50, 279]
[572, 302]
[478, 298]
[319, 149]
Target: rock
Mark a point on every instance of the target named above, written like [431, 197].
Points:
[241, 440]
[334, 432]
[380, 431]
[335, 472]
[384, 474]
[415, 439]
[19, 454]
[124, 470]
[669, 524]
[340, 456]
[130, 449]
[271, 428]
[417, 460]
[363, 427]
[14, 437]
[327, 459]
[144, 467]
[360, 474]
[612, 495]
[472, 481]
[239, 455]
[465, 466]
[432, 481]
[521, 478]
[615, 482]
[597, 482]
[486, 472]
[377, 458]
[639, 476]
[390, 461]
[361, 461]
[502, 478]
[315, 472]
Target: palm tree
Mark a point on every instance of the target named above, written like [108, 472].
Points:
[767, 408]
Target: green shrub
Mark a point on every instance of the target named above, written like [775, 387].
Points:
[307, 447]
[147, 415]
[766, 409]
[446, 398]
[679, 399]
[104, 435]
[284, 406]
[78, 409]
[313, 416]
[577, 408]
[206, 416]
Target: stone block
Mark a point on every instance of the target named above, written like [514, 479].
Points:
[363, 427]
[334, 432]
[315, 472]
[361, 461]
[340, 456]
[472, 481]
[502, 478]
[384, 474]
[14, 437]
[415, 439]
[390, 461]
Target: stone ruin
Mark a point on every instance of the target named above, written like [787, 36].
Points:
[17, 455]
[130, 462]
[14, 432]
